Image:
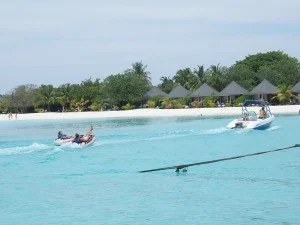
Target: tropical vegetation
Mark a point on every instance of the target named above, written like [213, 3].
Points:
[127, 89]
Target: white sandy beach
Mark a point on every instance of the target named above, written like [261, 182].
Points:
[206, 112]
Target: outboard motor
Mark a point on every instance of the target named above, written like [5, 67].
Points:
[239, 125]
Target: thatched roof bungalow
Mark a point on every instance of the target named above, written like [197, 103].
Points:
[203, 91]
[179, 92]
[264, 91]
[232, 91]
[155, 91]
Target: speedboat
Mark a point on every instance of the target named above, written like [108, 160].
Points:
[63, 141]
[250, 119]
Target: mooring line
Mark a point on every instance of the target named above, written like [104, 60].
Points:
[178, 167]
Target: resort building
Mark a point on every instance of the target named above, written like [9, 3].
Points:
[155, 91]
[231, 92]
[203, 91]
[179, 92]
[296, 90]
[264, 91]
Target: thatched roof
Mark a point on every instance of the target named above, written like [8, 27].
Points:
[179, 92]
[155, 91]
[296, 88]
[265, 87]
[233, 89]
[204, 90]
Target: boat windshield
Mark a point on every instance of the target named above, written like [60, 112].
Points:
[256, 103]
[252, 113]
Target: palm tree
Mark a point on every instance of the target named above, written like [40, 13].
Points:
[139, 69]
[64, 95]
[216, 69]
[216, 76]
[81, 105]
[46, 95]
[167, 84]
[200, 73]
[186, 78]
[284, 94]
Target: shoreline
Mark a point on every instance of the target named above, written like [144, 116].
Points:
[144, 113]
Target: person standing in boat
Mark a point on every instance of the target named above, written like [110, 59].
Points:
[262, 113]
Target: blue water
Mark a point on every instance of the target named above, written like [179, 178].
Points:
[44, 184]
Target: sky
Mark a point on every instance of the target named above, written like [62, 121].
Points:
[67, 41]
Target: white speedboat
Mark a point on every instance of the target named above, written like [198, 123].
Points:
[250, 119]
[60, 141]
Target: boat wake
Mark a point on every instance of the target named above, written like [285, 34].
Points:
[35, 147]
[160, 136]
[273, 128]
[212, 131]
[70, 145]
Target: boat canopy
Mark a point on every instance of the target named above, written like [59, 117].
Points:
[254, 102]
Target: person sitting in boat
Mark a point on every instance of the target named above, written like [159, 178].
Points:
[77, 139]
[85, 138]
[246, 117]
[262, 113]
[60, 135]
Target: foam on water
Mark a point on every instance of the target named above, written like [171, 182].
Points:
[273, 128]
[35, 147]
[212, 131]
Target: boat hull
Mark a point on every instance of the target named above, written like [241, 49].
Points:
[60, 142]
[257, 124]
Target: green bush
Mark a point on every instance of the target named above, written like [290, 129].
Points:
[96, 107]
[151, 104]
[177, 105]
[157, 99]
[115, 108]
[240, 100]
[210, 101]
[166, 103]
[182, 101]
[39, 110]
[128, 106]
[196, 104]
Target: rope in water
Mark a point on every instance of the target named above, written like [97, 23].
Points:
[218, 160]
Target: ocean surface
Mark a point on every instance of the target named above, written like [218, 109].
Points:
[44, 184]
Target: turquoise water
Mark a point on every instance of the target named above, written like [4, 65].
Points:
[44, 184]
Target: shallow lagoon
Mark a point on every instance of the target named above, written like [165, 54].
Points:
[45, 184]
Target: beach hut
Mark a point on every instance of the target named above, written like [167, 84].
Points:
[155, 91]
[296, 89]
[179, 92]
[232, 91]
[264, 91]
[203, 91]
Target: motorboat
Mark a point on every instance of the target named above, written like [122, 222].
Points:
[250, 119]
[63, 141]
